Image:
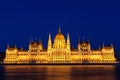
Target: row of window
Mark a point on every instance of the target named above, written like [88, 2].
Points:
[75, 61]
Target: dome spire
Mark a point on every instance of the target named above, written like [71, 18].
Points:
[59, 31]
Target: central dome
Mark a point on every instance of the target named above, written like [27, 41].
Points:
[59, 35]
[59, 41]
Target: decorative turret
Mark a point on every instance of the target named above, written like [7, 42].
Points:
[31, 41]
[40, 45]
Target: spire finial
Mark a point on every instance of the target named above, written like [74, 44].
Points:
[111, 44]
[8, 46]
[40, 40]
[49, 39]
[83, 37]
[15, 46]
[68, 38]
[88, 41]
[49, 36]
[31, 40]
[21, 48]
[99, 48]
[59, 29]
[78, 40]
[103, 44]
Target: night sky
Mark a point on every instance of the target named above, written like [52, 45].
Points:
[96, 20]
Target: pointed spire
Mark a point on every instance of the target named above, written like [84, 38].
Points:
[99, 48]
[40, 41]
[49, 40]
[49, 43]
[79, 41]
[111, 44]
[21, 48]
[68, 42]
[15, 46]
[103, 44]
[8, 46]
[59, 31]
[68, 38]
[49, 36]
[83, 38]
[88, 41]
[31, 40]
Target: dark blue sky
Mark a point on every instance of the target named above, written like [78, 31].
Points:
[97, 20]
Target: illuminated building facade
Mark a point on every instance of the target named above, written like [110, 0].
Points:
[59, 52]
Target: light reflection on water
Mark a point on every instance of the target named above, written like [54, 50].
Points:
[59, 72]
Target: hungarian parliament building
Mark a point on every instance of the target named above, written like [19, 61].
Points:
[59, 51]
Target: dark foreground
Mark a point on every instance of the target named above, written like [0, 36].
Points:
[60, 72]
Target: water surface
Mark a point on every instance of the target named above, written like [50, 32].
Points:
[59, 72]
